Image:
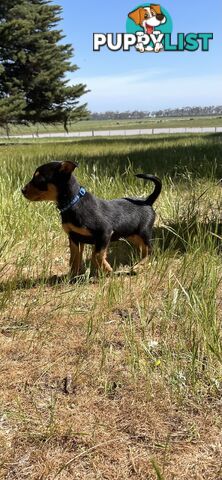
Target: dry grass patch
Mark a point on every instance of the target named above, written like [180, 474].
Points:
[88, 379]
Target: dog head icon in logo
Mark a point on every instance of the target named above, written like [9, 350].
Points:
[149, 17]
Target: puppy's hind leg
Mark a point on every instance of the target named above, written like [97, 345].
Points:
[146, 246]
[143, 246]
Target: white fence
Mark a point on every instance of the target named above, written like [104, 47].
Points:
[122, 133]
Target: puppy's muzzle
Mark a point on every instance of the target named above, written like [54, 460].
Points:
[24, 191]
[28, 193]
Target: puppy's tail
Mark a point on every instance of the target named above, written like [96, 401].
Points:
[158, 187]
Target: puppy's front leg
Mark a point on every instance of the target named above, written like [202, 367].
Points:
[76, 251]
[100, 261]
[100, 253]
[140, 47]
[158, 47]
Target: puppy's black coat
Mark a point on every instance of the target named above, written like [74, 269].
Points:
[92, 220]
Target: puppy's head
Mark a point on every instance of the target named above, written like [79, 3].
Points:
[151, 16]
[48, 180]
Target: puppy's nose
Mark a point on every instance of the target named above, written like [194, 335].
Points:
[160, 17]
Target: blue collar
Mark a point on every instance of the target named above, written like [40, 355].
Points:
[74, 200]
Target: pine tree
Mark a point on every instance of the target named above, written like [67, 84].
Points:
[33, 65]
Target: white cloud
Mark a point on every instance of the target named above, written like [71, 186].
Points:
[150, 90]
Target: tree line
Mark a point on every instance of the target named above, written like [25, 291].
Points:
[169, 112]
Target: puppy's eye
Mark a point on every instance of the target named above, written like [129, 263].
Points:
[146, 16]
[39, 182]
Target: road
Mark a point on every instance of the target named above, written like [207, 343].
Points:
[122, 133]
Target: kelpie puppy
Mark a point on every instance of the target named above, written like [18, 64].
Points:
[90, 220]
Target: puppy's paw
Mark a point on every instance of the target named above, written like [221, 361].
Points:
[140, 47]
[158, 47]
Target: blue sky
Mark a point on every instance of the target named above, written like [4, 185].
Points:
[130, 80]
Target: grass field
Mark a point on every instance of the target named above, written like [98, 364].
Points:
[115, 377]
[89, 125]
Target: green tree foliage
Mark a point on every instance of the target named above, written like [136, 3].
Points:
[33, 65]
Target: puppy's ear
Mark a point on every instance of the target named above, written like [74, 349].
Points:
[136, 15]
[156, 8]
[67, 167]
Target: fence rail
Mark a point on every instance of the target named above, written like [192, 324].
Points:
[123, 132]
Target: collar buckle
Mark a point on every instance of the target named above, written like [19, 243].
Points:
[82, 191]
[74, 200]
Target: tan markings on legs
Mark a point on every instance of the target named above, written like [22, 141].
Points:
[145, 250]
[76, 252]
[99, 260]
[69, 227]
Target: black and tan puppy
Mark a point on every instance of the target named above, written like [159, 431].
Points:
[90, 220]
